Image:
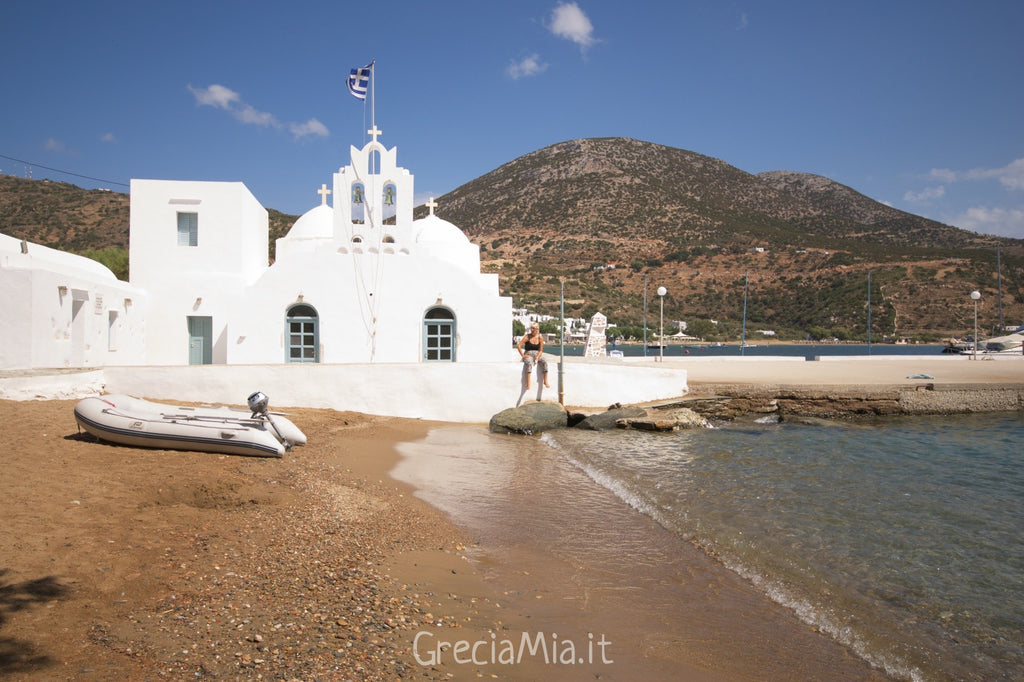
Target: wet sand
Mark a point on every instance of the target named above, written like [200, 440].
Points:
[125, 563]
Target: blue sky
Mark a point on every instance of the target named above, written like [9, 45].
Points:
[916, 103]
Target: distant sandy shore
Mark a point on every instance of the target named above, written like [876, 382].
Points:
[890, 370]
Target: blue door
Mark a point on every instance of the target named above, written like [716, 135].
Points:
[200, 340]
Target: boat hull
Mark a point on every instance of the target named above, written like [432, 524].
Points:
[290, 433]
[127, 424]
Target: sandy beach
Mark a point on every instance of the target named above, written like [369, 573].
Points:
[125, 563]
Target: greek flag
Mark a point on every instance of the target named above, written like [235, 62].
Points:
[359, 80]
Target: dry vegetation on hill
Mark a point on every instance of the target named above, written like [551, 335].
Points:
[607, 215]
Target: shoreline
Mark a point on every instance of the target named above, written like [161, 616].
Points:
[668, 609]
[123, 562]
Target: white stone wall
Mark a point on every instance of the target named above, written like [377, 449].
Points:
[62, 310]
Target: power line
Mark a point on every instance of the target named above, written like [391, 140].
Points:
[58, 170]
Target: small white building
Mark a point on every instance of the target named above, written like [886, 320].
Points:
[62, 310]
[358, 281]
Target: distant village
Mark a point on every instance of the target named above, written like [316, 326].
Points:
[577, 328]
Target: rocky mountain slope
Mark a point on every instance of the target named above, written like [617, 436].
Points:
[604, 217]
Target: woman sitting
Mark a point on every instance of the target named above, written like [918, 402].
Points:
[531, 348]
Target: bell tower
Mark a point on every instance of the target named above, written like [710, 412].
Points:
[373, 199]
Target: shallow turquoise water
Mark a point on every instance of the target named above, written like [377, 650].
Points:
[901, 539]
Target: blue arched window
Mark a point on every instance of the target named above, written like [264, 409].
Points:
[439, 335]
[302, 334]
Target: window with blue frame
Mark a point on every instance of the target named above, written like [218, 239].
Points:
[439, 335]
[302, 334]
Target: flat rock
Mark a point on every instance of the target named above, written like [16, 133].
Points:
[665, 420]
[608, 418]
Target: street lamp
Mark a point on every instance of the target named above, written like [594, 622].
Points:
[661, 332]
[975, 295]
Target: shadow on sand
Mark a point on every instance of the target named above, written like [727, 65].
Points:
[18, 655]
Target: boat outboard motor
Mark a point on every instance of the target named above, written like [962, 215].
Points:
[258, 403]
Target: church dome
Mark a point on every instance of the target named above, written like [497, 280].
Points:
[317, 223]
[434, 230]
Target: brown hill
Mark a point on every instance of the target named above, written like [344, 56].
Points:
[605, 216]
[697, 225]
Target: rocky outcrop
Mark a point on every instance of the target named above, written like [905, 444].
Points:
[727, 402]
[777, 403]
[665, 420]
[609, 418]
[530, 418]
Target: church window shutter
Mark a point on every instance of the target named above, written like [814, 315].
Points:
[188, 229]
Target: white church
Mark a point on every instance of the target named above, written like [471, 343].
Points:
[355, 280]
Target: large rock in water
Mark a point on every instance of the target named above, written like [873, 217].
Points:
[609, 418]
[530, 418]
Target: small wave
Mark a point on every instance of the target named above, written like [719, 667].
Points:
[815, 616]
[608, 482]
[821, 620]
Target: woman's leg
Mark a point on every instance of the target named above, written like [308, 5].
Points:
[528, 366]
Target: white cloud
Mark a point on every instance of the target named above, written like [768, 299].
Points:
[530, 65]
[55, 145]
[927, 194]
[744, 21]
[220, 97]
[942, 175]
[998, 221]
[310, 127]
[215, 96]
[568, 21]
[246, 114]
[108, 137]
[1010, 176]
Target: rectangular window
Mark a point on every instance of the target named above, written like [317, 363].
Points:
[188, 229]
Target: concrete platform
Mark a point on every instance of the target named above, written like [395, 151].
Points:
[473, 392]
[460, 392]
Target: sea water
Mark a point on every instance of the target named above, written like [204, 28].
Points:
[899, 538]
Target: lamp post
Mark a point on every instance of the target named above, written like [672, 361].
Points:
[661, 331]
[975, 295]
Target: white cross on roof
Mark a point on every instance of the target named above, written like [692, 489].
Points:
[323, 192]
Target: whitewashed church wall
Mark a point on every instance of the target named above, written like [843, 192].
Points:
[169, 331]
[349, 291]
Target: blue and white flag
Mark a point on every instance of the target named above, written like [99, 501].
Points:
[359, 80]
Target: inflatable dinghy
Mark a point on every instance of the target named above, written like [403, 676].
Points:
[132, 421]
